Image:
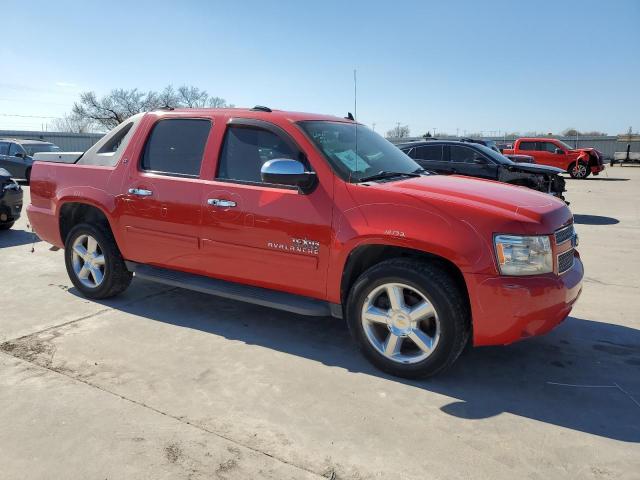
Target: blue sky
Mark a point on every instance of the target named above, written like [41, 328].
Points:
[448, 65]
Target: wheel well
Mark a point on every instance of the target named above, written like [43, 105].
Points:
[71, 214]
[364, 257]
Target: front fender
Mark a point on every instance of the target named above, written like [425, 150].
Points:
[422, 229]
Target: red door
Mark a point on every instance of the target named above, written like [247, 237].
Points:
[262, 234]
[546, 155]
[161, 213]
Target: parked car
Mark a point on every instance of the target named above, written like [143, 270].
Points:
[577, 162]
[476, 160]
[16, 155]
[10, 200]
[315, 215]
[497, 148]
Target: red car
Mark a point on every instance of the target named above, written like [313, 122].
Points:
[315, 215]
[577, 162]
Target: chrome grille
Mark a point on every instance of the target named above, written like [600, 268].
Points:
[564, 234]
[565, 261]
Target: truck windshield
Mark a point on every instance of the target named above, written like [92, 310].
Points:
[33, 148]
[370, 156]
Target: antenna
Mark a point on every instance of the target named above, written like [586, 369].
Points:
[355, 111]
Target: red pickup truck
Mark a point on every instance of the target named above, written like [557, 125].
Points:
[577, 162]
[315, 215]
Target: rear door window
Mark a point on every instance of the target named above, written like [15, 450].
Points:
[15, 148]
[4, 148]
[527, 146]
[176, 146]
[430, 153]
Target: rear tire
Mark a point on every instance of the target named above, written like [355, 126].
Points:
[94, 263]
[429, 317]
[27, 175]
[579, 170]
[6, 226]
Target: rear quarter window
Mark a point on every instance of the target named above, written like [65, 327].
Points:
[429, 153]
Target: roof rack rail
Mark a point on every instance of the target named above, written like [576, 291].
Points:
[166, 107]
[261, 108]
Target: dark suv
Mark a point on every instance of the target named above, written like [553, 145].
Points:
[475, 160]
[16, 155]
[10, 200]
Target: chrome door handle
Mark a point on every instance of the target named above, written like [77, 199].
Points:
[216, 202]
[140, 192]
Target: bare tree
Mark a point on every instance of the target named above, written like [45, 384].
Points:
[193, 97]
[217, 102]
[72, 124]
[572, 132]
[399, 131]
[112, 109]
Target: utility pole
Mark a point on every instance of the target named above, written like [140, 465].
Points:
[374, 126]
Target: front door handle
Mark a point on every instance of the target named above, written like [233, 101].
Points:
[140, 192]
[216, 202]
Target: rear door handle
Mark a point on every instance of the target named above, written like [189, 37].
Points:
[217, 202]
[140, 192]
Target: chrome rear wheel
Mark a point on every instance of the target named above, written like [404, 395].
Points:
[88, 261]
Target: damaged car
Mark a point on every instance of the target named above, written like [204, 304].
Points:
[10, 200]
[476, 160]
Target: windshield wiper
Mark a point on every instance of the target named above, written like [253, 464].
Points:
[382, 174]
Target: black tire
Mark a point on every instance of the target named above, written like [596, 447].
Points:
[6, 226]
[579, 170]
[27, 175]
[444, 294]
[116, 275]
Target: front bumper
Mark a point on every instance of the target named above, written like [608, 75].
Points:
[596, 169]
[10, 205]
[508, 309]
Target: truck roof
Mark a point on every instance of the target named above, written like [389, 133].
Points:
[259, 112]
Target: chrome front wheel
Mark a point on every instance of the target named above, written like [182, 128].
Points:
[579, 170]
[88, 261]
[400, 323]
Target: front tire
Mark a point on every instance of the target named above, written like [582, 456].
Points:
[579, 170]
[6, 226]
[409, 317]
[27, 175]
[94, 263]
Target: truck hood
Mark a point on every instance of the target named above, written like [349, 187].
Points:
[508, 202]
[535, 168]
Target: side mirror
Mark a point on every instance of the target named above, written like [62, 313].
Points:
[559, 151]
[480, 161]
[20, 155]
[284, 171]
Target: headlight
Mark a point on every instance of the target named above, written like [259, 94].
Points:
[523, 255]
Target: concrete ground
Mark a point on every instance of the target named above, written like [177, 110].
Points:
[167, 383]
